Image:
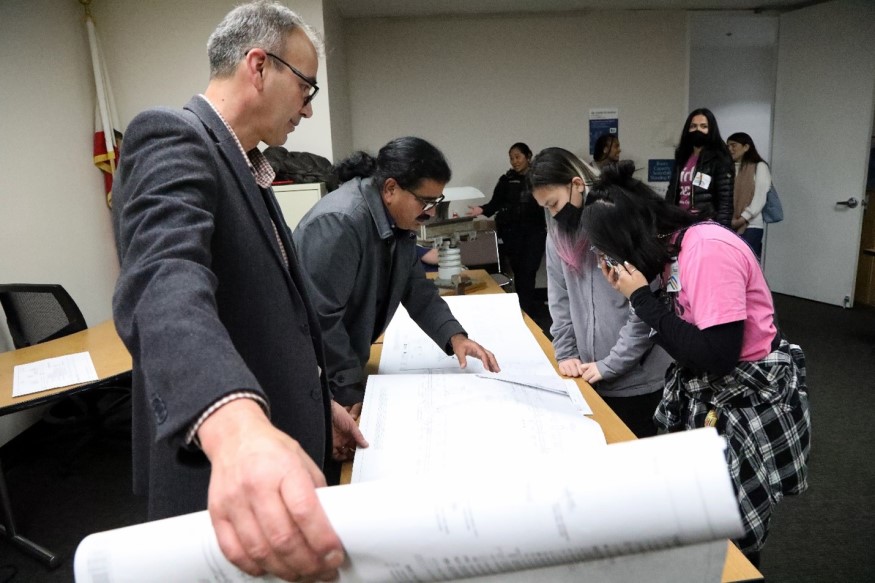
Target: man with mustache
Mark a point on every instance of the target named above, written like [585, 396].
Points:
[357, 249]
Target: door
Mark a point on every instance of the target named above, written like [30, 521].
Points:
[820, 148]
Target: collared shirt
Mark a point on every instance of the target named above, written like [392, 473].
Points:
[261, 169]
[257, 161]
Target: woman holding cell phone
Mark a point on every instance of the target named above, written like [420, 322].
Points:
[714, 315]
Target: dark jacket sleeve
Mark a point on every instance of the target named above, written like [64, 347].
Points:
[330, 264]
[718, 197]
[423, 302]
[671, 195]
[499, 197]
[723, 187]
[714, 350]
[164, 305]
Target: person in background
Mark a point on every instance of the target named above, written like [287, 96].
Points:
[715, 316]
[520, 225]
[357, 248]
[595, 334]
[703, 176]
[752, 181]
[606, 150]
[230, 411]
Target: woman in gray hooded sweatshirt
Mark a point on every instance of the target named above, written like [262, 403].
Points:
[596, 335]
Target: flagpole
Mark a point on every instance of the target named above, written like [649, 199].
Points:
[101, 89]
[105, 160]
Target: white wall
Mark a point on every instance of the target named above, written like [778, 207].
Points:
[738, 85]
[473, 86]
[54, 223]
[156, 55]
[335, 57]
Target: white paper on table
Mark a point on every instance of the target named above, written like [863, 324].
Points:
[420, 425]
[492, 320]
[637, 511]
[553, 383]
[52, 373]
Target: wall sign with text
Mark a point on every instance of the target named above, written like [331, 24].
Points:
[602, 120]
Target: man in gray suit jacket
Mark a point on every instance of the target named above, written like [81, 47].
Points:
[358, 253]
[231, 407]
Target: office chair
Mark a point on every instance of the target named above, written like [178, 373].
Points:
[482, 253]
[38, 313]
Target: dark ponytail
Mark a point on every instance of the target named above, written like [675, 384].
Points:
[408, 160]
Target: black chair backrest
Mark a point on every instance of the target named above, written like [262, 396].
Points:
[38, 312]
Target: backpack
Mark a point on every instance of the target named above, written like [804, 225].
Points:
[772, 211]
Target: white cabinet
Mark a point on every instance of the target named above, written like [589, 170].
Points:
[296, 199]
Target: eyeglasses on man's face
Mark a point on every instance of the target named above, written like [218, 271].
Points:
[427, 203]
[311, 82]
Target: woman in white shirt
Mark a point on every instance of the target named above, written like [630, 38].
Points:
[752, 182]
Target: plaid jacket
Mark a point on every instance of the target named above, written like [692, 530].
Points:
[762, 412]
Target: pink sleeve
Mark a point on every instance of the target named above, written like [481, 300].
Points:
[714, 281]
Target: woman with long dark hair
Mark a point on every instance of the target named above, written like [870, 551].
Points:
[702, 179]
[520, 225]
[752, 182]
[714, 315]
[595, 335]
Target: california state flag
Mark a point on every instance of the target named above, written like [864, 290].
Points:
[107, 137]
[105, 153]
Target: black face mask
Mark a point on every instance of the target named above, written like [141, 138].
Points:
[568, 217]
[698, 139]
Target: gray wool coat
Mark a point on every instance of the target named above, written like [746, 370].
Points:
[204, 301]
[359, 270]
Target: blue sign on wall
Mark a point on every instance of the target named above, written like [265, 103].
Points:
[602, 121]
[597, 127]
[659, 170]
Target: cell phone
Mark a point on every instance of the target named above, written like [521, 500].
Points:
[611, 262]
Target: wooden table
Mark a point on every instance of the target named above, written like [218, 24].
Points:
[111, 361]
[737, 568]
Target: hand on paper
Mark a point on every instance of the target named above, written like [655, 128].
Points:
[590, 372]
[570, 367]
[624, 278]
[345, 431]
[464, 347]
[262, 498]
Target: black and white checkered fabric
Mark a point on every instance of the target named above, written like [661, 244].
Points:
[762, 412]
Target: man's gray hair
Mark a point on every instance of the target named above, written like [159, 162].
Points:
[263, 24]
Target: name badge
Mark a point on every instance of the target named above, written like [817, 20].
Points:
[702, 180]
[674, 279]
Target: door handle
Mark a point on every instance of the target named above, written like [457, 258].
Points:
[851, 203]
